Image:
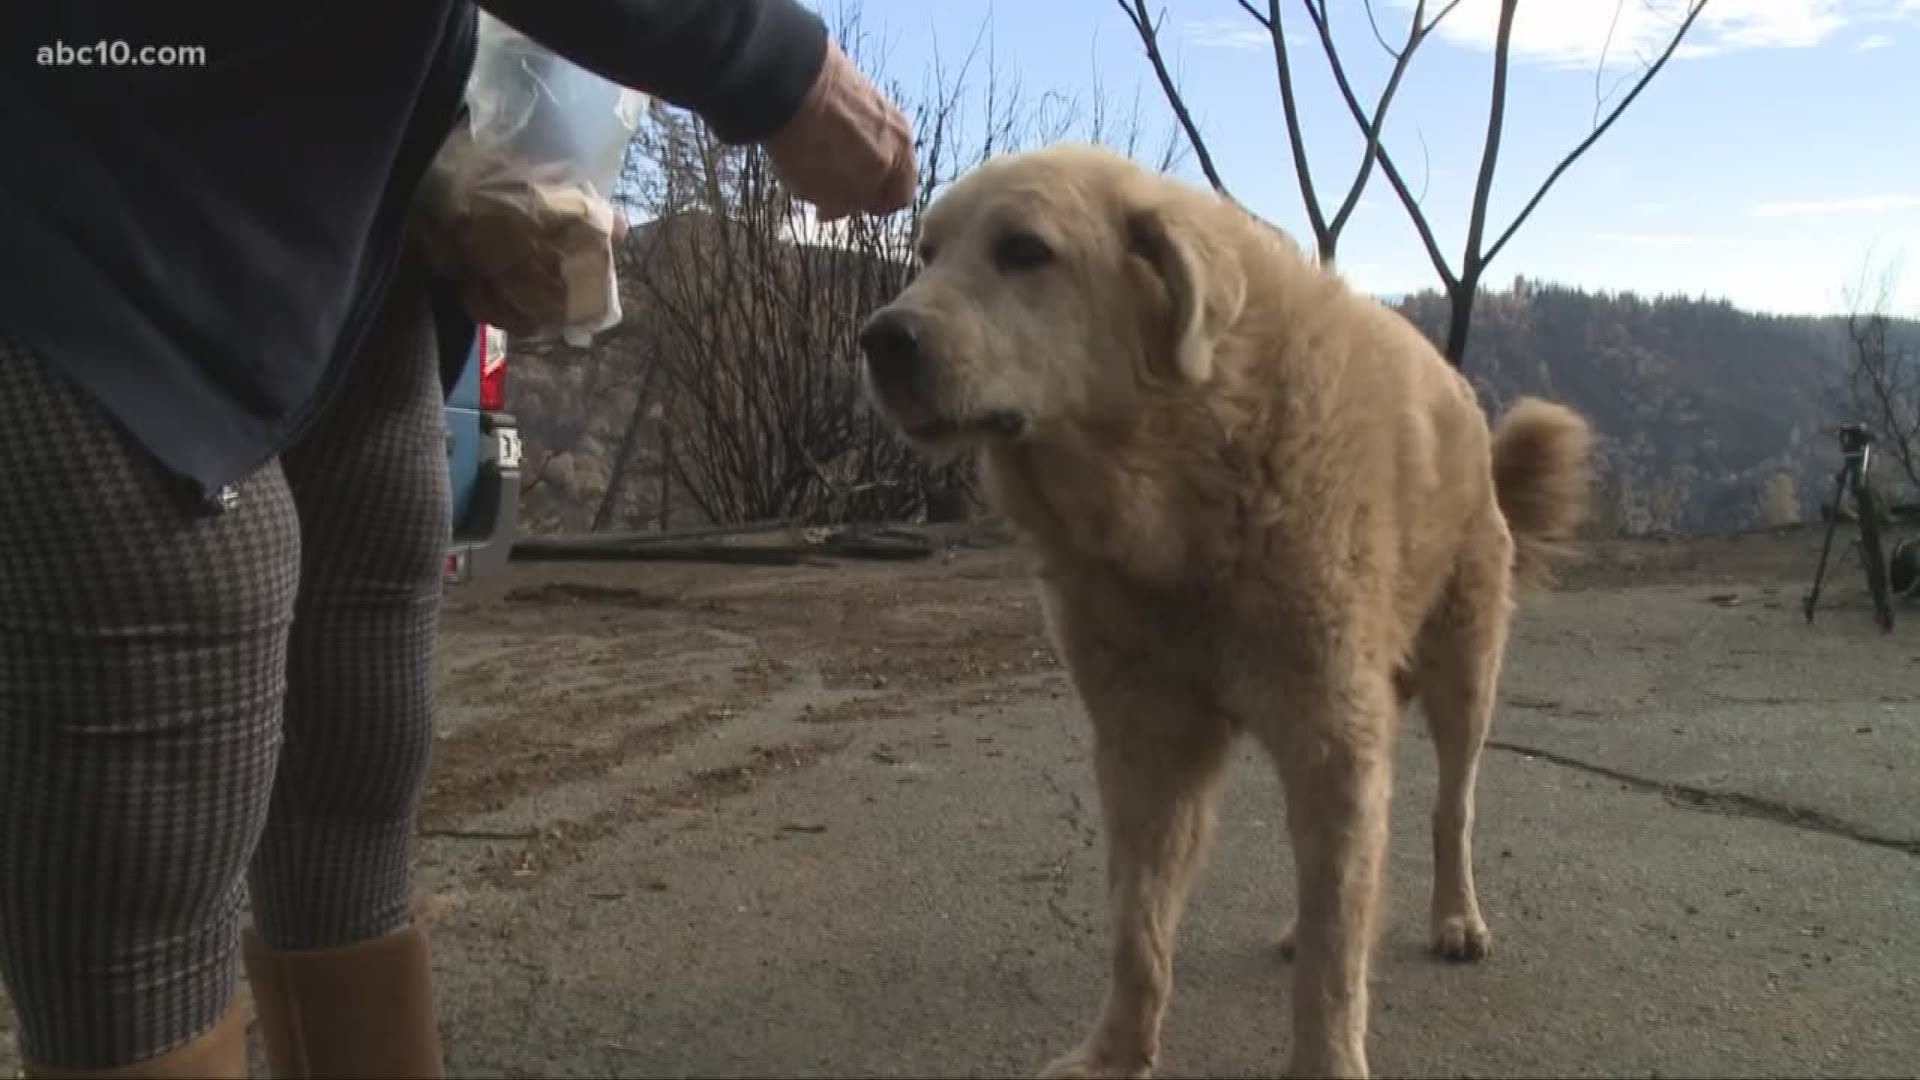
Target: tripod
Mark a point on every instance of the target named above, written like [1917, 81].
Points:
[1856, 448]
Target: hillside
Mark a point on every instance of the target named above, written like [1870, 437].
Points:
[1699, 405]
[1701, 408]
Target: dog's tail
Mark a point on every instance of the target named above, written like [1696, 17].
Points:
[1541, 462]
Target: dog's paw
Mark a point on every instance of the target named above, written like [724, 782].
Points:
[1087, 1064]
[1462, 937]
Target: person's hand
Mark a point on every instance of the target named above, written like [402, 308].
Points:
[849, 149]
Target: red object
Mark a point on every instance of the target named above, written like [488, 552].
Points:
[493, 369]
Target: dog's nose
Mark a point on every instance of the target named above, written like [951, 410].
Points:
[891, 341]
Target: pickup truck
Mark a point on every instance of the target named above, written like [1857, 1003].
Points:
[483, 461]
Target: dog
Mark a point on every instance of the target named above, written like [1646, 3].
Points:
[1262, 503]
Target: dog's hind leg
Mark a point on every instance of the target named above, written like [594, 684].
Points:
[1159, 761]
[1459, 675]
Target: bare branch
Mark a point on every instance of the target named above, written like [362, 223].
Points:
[750, 311]
[1374, 23]
[1471, 262]
[1599, 69]
[1460, 284]
[534, 478]
[1426, 166]
[1377, 35]
[1673, 45]
[1374, 125]
[1325, 240]
[1407, 199]
[1149, 34]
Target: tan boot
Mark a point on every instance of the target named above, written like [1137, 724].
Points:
[358, 1011]
[220, 1054]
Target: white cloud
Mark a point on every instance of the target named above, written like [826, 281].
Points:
[1772, 24]
[1873, 41]
[1648, 240]
[1848, 204]
[1585, 33]
[1231, 32]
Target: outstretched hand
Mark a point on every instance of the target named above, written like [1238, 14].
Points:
[849, 149]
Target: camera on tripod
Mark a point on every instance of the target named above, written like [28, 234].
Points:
[1856, 446]
[1854, 438]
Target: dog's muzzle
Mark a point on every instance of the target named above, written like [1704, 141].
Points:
[897, 368]
[891, 342]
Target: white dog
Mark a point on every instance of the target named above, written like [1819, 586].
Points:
[1263, 503]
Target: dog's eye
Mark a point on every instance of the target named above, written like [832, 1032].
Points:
[1021, 251]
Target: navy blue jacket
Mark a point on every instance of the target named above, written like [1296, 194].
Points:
[201, 248]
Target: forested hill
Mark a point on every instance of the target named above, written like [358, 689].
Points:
[1700, 406]
[1710, 418]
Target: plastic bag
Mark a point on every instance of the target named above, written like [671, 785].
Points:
[520, 197]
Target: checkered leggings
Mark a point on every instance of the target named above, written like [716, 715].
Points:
[192, 704]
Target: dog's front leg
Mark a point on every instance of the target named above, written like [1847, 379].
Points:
[1336, 765]
[1159, 765]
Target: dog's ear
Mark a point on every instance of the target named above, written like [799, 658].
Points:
[1203, 294]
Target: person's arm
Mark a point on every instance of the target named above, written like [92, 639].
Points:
[744, 66]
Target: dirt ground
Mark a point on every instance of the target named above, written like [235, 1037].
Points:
[837, 820]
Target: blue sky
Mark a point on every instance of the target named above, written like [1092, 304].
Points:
[1770, 163]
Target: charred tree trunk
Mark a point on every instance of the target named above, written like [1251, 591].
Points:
[1460, 300]
[666, 476]
[617, 476]
[623, 454]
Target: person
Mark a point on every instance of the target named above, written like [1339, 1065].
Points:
[223, 492]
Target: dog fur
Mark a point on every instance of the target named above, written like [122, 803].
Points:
[1262, 504]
